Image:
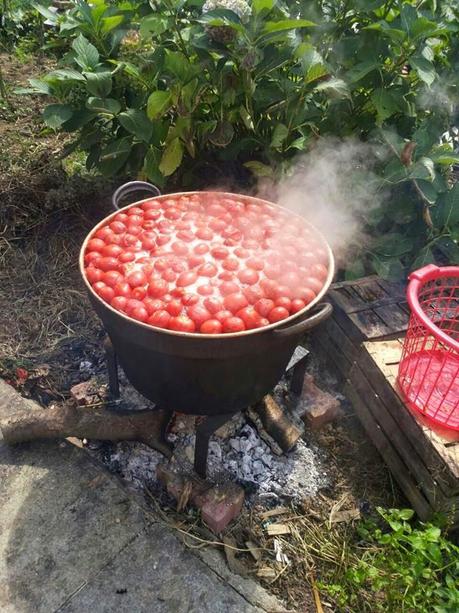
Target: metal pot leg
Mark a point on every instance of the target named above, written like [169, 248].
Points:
[203, 433]
[112, 367]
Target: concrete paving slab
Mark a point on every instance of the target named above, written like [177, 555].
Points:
[72, 539]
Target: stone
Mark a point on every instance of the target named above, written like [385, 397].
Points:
[87, 392]
[220, 505]
[321, 407]
[258, 467]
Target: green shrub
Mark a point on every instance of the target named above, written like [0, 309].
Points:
[180, 91]
[401, 568]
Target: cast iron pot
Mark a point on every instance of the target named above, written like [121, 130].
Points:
[203, 374]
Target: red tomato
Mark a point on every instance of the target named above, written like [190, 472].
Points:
[263, 322]
[205, 234]
[248, 275]
[152, 304]
[91, 256]
[222, 315]
[272, 271]
[185, 235]
[311, 282]
[134, 230]
[118, 227]
[211, 326]
[157, 288]
[162, 240]
[132, 241]
[318, 271]
[104, 291]
[106, 264]
[139, 313]
[189, 299]
[187, 278]
[139, 293]
[199, 314]
[297, 305]
[201, 248]
[135, 220]
[121, 217]
[249, 316]
[219, 253]
[182, 323]
[213, 304]
[126, 256]
[241, 252]
[264, 306]
[123, 289]
[226, 275]
[205, 290]
[215, 210]
[103, 233]
[178, 292]
[207, 270]
[255, 263]
[119, 303]
[230, 264]
[235, 301]
[253, 293]
[113, 251]
[169, 275]
[160, 319]
[174, 307]
[112, 277]
[269, 287]
[277, 314]
[195, 260]
[180, 248]
[291, 279]
[179, 266]
[282, 291]
[134, 210]
[228, 287]
[217, 224]
[136, 278]
[94, 275]
[172, 213]
[161, 264]
[114, 239]
[283, 301]
[132, 304]
[151, 215]
[233, 324]
[148, 240]
[96, 244]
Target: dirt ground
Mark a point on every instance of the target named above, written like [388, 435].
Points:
[49, 330]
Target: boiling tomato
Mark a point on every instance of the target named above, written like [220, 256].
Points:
[180, 248]
[182, 323]
[157, 288]
[205, 290]
[174, 307]
[222, 315]
[160, 319]
[113, 251]
[207, 270]
[123, 289]
[139, 313]
[92, 256]
[132, 304]
[103, 233]
[248, 275]
[126, 256]
[253, 293]
[169, 275]
[187, 278]
[162, 240]
[230, 264]
[201, 248]
[119, 303]
[152, 304]
[233, 324]
[104, 291]
[264, 306]
[136, 278]
[219, 253]
[118, 227]
[96, 244]
[198, 313]
[249, 316]
[306, 294]
[205, 234]
[235, 301]
[283, 301]
[311, 282]
[106, 264]
[318, 271]
[211, 326]
[277, 314]
[94, 275]
[213, 304]
[148, 240]
[139, 293]
[297, 305]
[112, 277]
[195, 260]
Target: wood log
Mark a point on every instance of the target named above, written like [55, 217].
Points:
[147, 426]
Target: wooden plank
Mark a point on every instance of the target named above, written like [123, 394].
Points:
[393, 316]
[332, 353]
[350, 350]
[379, 369]
[398, 439]
[346, 298]
[390, 455]
[370, 324]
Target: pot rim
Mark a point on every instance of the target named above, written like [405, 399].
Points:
[195, 335]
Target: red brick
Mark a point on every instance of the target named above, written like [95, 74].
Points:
[321, 407]
[220, 505]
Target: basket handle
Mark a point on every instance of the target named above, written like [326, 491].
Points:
[129, 188]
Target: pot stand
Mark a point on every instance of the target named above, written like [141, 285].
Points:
[208, 424]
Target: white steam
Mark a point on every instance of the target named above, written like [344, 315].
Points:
[334, 188]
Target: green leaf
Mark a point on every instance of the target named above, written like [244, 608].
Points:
[446, 159]
[360, 70]
[286, 24]
[424, 257]
[79, 119]
[38, 87]
[50, 15]
[262, 5]
[222, 135]
[428, 190]
[178, 65]
[336, 86]
[99, 84]
[385, 104]
[279, 135]
[108, 106]
[55, 115]
[136, 122]
[406, 514]
[66, 74]
[393, 33]
[392, 245]
[446, 213]
[87, 55]
[246, 118]
[151, 166]
[424, 68]
[110, 23]
[114, 156]
[158, 103]
[259, 169]
[424, 28]
[171, 158]
[422, 169]
[152, 24]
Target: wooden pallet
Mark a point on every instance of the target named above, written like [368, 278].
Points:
[363, 340]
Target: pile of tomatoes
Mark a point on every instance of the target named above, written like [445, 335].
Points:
[206, 263]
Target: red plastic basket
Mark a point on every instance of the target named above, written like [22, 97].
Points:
[428, 373]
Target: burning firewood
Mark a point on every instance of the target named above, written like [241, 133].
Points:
[147, 426]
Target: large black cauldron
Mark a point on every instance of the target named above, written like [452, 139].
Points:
[203, 374]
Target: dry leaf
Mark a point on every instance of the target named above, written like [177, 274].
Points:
[274, 512]
[348, 515]
[406, 156]
[184, 496]
[266, 572]
[278, 529]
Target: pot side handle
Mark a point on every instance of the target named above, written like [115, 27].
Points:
[324, 310]
[129, 188]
